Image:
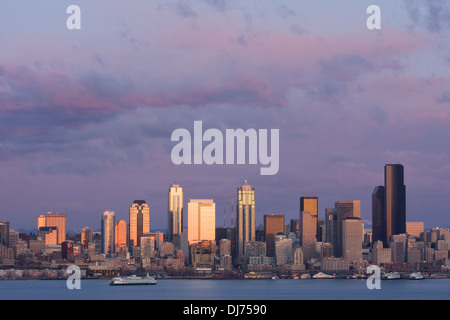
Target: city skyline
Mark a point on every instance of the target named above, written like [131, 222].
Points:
[86, 116]
[229, 216]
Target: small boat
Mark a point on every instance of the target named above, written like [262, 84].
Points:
[416, 276]
[322, 275]
[132, 280]
[392, 276]
[305, 276]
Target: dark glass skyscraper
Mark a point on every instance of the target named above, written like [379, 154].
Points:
[379, 215]
[395, 199]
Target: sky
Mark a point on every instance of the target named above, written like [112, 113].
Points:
[86, 116]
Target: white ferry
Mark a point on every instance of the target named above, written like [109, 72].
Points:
[392, 276]
[322, 275]
[416, 276]
[132, 280]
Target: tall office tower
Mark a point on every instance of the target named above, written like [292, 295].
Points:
[86, 237]
[310, 204]
[273, 224]
[4, 233]
[201, 220]
[295, 227]
[395, 200]
[331, 222]
[175, 215]
[283, 249]
[345, 209]
[379, 216]
[139, 222]
[352, 240]
[121, 235]
[308, 223]
[108, 232]
[245, 219]
[52, 219]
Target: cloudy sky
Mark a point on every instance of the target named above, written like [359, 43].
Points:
[86, 116]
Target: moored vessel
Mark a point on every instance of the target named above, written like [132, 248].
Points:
[416, 276]
[133, 280]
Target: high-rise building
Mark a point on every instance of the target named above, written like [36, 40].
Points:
[52, 219]
[245, 218]
[139, 222]
[121, 235]
[379, 215]
[415, 228]
[86, 237]
[345, 209]
[4, 233]
[175, 214]
[308, 223]
[395, 200]
[352, 240]
[201, 220]
[108, 232]
[331, 223]
[273, 224]
[310, 204]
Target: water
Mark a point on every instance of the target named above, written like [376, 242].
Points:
[436, 289]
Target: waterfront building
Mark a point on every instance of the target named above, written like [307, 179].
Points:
[201, 220]
[175, 214]
[245, 219]
[139, 219]
[381, 255]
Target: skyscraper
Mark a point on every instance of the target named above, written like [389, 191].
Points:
[345, 209]
[52, 219]
[245, 218]
[4, 233]
[175, 214]
[311, 204]
[108, 232]
[395, 200]
[139, 222]
[121, 235]
[379, 215]
[352, 238]
[308, 223]
[273, 224]
[201, 220]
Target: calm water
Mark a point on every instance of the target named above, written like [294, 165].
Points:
[228, 290]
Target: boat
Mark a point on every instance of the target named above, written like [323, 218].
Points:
[416, 276]
[305, 276]
[322, 275]
[392, 276]
[132, 280]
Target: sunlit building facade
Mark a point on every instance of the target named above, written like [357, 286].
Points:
[201, 220]
[52, 219]
[245, 219]
[175, 214]
[108, 232]
[139, 222]
[121, 235]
